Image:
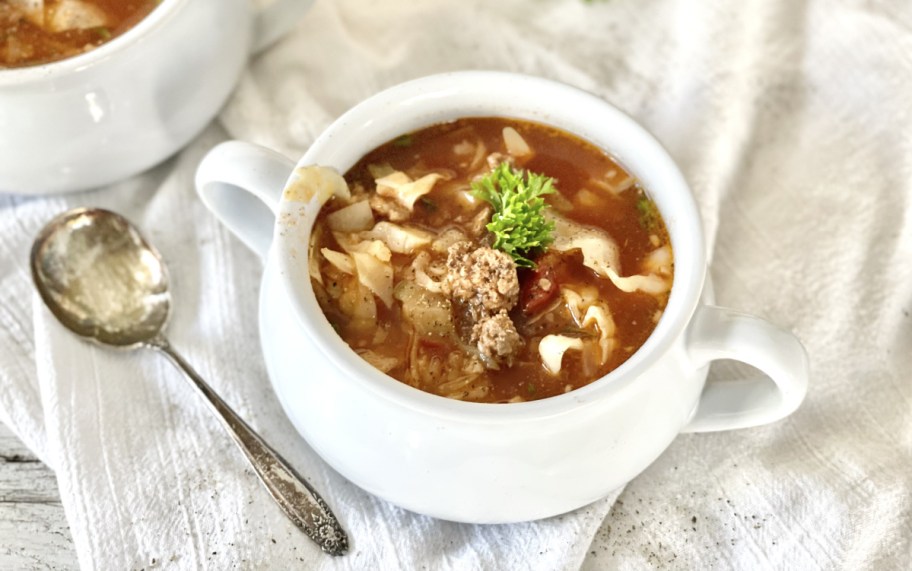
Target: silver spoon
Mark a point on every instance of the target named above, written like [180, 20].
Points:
[104, 282]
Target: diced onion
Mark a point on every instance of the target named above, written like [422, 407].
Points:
[586, 198]
[463, 148]
[659, 260]
[478, 158]
[516, 145]
[76, 15]
[381, 170]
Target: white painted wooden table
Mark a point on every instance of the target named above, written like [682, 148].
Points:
[33, 530]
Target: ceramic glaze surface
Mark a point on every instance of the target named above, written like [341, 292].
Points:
[472, 470]
[120, 108]
[494, 463]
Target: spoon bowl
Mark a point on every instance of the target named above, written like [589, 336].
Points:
[103, 281]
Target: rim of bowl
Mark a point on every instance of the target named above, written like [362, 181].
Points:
[53, 69]
[677, 205]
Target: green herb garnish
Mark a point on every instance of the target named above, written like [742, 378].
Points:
[649, 213]
[403, 141]
[518, 223]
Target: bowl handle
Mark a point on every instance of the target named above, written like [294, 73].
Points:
[242, 183]
[721, 333]
[276, 19]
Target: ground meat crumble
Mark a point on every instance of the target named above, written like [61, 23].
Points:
[484, 281]
[497, 338]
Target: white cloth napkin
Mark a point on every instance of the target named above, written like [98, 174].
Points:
[790, 120]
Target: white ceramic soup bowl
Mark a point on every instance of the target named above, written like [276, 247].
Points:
[126, 105]
[488, 463]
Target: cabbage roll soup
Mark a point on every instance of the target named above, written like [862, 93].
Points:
[489, 260]
[33, 32]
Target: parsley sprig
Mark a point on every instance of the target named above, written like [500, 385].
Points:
[518, 223]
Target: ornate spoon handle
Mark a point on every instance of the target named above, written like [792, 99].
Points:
[300, 502]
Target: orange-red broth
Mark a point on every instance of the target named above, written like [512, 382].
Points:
[28, 37]
[583, 176]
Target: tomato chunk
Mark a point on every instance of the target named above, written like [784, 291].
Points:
[539, 287]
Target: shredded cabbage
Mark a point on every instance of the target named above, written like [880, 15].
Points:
[429, 313]
[422, 278]
[446, 239]
[599, 316]
[587, 310]
[357, 302]
[649, 283]
[352, 218]
[350, 243]
[403, 189]
[552, 349]
[600, 251]
[343, 262]
[399, 239]
[601, 254]
[381, 362]
[376, 274]
[316, 182]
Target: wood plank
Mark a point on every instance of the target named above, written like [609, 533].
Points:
[35, 536]
[24, 478]
[33, 529]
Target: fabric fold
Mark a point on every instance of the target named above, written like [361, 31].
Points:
[787, 119]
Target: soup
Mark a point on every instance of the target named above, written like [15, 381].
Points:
[490, 260]
[40, 31]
